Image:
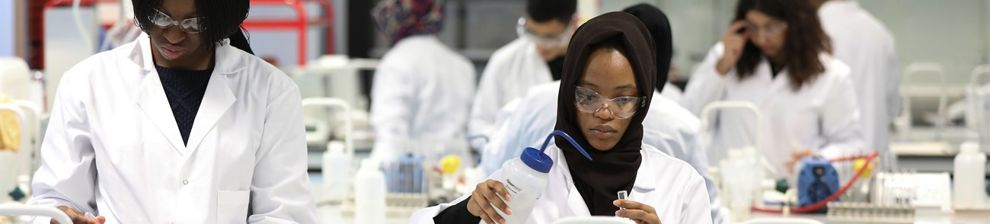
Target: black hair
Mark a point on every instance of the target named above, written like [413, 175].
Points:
[547, 10]
[222, 19]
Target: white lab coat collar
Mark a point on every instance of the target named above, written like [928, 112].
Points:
[764, 74]
[645, 176]
[218, 98]
[783, 80]
[644, 184]
[227, 62]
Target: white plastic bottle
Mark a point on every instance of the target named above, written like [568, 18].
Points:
[737, 172]
[369, 193]
[968, 187]
[525, 178]
[336, 180]
[337, 170]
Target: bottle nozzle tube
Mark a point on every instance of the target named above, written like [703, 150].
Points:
[566, 137]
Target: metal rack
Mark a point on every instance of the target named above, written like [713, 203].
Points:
[299, 24]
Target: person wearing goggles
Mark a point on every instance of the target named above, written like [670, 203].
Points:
[182, 125]
[535, 57]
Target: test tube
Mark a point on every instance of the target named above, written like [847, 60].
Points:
[622, 195]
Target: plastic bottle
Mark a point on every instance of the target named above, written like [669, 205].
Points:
[978, 110]
[970, 165]
[526, 177]
[369, 193]
[735, 172]
[337, 170]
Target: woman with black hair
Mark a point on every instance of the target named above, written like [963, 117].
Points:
[776, 56]
[182, 125]
[610, 72]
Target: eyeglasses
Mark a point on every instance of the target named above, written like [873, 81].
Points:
[623, 107]
[769, 29]
[190, 25]
[559, 40]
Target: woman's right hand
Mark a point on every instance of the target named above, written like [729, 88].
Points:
[79, 217]
[486, 198]
[732, 43]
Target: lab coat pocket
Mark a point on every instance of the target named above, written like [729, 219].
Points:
[232, 206]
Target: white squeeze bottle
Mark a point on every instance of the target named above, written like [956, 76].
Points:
[525, 178]
[968, 187]
[337, 170]
[369, 193]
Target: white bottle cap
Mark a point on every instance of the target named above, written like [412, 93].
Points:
[969, 148]
[336, 147]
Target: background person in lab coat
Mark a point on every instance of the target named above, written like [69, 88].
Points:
[419, 81]
[177, 127]
[605, 94]
[866, 45]
[668, 126]
[536, 57]
[776, 56]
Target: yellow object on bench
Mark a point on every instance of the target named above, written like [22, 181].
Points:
[10, 129]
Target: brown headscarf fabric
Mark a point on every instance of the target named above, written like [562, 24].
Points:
[613, 170]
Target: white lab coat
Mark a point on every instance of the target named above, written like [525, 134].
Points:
[672, 92]
[822, 115]
[667, 184]
[510, 72]
[113, 148]
[668, 126]
[862, 42]
[422, 90]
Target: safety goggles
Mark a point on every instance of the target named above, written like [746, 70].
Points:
[623, 107]
[559, 40]
[190, 25]
[770, 29]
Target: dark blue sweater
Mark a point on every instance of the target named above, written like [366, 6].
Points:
[184, 90]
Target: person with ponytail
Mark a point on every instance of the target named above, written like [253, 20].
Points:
[182, 125]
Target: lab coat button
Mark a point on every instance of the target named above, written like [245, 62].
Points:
[185, 181]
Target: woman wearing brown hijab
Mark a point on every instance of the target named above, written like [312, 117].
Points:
[606, 89]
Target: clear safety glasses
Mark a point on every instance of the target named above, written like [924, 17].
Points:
[190, 25]
[770, 29]
[559, 40]
[623, 107]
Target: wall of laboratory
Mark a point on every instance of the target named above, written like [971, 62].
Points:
[8, 28]
[951, 33]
